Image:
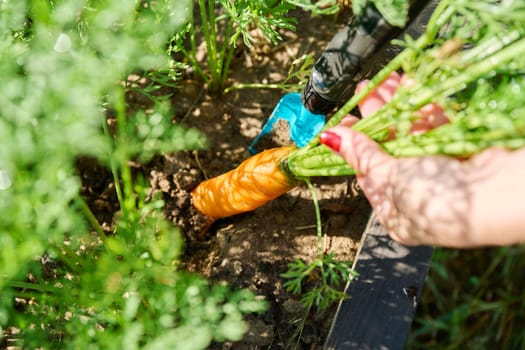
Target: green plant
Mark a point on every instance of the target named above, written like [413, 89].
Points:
[64, 282]
[320, 281]
[471, 300]
[221, 23]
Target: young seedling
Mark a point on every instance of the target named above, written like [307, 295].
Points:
[320, 281]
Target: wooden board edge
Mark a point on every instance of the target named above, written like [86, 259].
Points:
[383, 298]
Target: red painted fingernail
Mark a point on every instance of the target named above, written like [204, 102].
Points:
[331, 140]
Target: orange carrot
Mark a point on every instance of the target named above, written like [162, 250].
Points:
[253, 183]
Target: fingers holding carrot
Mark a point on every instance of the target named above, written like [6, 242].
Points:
[381, 95]
[381, 175]
[375, 100]
[429, 116]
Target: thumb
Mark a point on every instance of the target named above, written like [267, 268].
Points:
[364, 154]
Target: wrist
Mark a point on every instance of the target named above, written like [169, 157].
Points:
[498, 191]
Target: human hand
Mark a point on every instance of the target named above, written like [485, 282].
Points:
[435, 200]
[430, 116]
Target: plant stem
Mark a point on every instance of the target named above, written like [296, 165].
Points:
[300, 328]
[225, 58]
[319, 227]
[280, 86]
[216, 70]
[90, 217]
[68, 256]
[113, 163]
[490, 46]
[127, 202]
[193, 51]
[208, 30]
[32, 286]
[205, 28]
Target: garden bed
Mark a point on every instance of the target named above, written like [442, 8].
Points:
[250, 250]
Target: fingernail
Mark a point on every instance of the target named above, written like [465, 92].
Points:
[331, 140]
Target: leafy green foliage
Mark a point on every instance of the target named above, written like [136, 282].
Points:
[152, 132]
[480, 87]
[221, 23]
[65, 283]
[319, 285]
[318, 281]
[471, 300]
[125, 292]
[395, 12]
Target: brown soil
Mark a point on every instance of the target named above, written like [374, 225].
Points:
[250, 250]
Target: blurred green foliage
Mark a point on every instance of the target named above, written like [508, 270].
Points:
[472, 299]
[394, 11]
[63, 283]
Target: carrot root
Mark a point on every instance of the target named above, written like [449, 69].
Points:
[253, 183]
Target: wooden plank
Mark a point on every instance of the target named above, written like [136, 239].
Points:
[384, 297]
